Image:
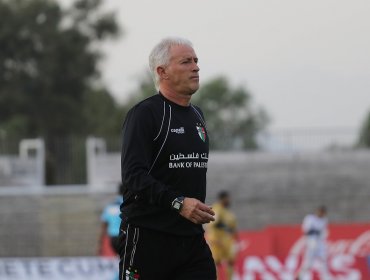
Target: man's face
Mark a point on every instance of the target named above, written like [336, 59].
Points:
[226, 201]
[182, 72]
[321, 213]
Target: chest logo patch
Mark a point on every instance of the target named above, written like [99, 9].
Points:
[201, 132]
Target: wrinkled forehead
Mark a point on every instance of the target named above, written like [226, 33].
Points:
[182, 51]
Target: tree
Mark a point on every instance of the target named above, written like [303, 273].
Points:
[48, 61]
[145, 89]
[364, 139]
[49, 76]
[103, 114]
[232, 121]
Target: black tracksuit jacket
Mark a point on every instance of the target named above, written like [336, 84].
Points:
[164, 155]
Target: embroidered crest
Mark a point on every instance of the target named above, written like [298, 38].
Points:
[132, 275]
[201, 132]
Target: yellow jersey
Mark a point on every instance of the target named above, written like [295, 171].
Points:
[221, 233]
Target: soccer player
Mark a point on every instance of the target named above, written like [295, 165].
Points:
[222, 235]
[111, 220]
[315, 229]
[164, 164]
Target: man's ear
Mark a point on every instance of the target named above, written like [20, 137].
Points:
[161, 71]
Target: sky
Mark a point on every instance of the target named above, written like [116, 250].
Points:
[307, 63]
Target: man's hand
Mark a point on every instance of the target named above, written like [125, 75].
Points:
[196, 211]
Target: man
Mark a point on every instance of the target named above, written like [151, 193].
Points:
[164, 164]
[222, 235]
[111, 220]
[314, 228]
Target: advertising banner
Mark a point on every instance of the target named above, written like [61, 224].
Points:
[76, 268]
[276, 253]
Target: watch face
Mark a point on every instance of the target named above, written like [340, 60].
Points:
[177, 205]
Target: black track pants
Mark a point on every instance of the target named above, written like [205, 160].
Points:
[151, 255]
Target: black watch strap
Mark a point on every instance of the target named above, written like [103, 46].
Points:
[177, 203]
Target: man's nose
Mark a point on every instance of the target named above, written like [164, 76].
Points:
[195, 67]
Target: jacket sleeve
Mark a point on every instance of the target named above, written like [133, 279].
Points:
[136, 159]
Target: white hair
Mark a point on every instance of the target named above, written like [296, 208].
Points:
[160, 55]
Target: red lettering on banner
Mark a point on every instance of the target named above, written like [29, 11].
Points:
[271, 268]
[361, 246]
[358, 247]
[276, 253]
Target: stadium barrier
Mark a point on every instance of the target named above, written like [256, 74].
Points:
[103, 168]
[76, 268]
[275, 253]
[25, 169]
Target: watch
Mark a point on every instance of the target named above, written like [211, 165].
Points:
[177, 203]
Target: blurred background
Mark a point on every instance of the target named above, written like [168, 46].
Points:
[285, 88]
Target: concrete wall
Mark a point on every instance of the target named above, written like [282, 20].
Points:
[281, 189]
[51, 224]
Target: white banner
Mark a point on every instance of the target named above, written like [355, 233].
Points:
[76, 268]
